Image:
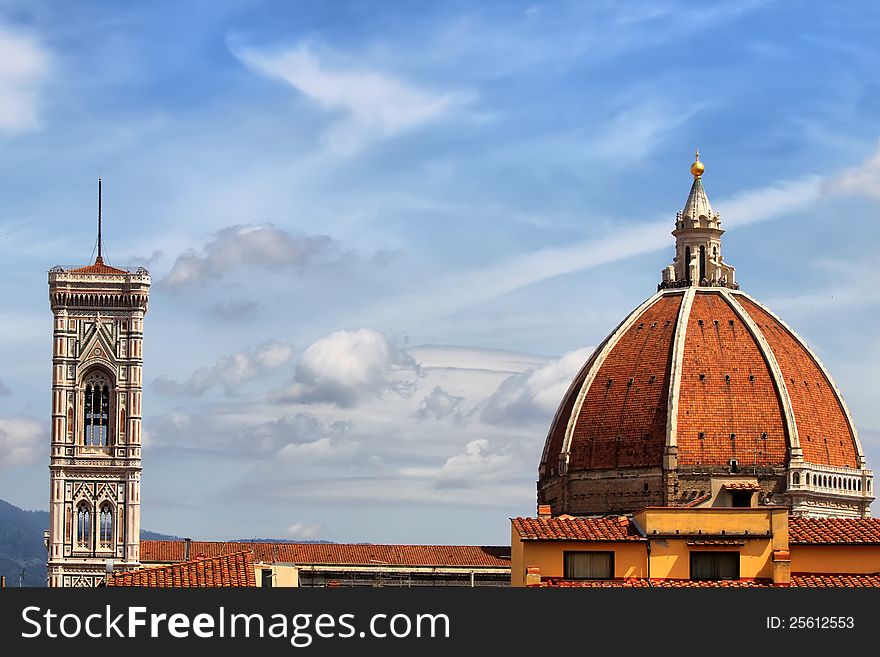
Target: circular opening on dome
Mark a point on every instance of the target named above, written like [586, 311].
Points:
[702, 376]
[733, 436]
[751, 377]
[727, 377]
[701, 435]
[763, 436]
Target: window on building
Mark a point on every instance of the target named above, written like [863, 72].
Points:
[266, 577]
[741, 498]
[714, 565]
[589, 565]
[96, 410]
[83, 525]
[105, 531]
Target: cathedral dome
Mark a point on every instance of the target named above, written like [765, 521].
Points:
[701, 392]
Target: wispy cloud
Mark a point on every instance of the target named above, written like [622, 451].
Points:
[245, 247]
[862, 180]
[375, 105]
[229, 372]
[24, 67]
[465, 290]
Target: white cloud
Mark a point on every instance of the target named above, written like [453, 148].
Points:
[475, 466]
[230, 372]
[245, 246]
[24, 66]
[532, 397]
[440, 404]
[862, 180]
[376, 105]
[20, 441]
[304, 531]
[348, 367]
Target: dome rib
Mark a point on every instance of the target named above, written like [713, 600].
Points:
[607, 404]
[802, 404]
[684, 313]
[729, 406]
[776, 371]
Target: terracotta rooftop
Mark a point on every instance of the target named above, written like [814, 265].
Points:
[815, 580]
[235, 569]
[832, 531]
[741, 485]
[567, 528]
[658, 583]
[99, 267]
[336, 553]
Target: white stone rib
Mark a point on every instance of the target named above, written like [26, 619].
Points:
[852, 427]
[775, 371]
[610, 343]
[681, 324]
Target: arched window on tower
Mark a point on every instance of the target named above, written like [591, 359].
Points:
[96, 410]
[687, 264]
[83, 525]
[105, 531]
[702, 263]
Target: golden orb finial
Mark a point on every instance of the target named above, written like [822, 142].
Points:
[697, 167]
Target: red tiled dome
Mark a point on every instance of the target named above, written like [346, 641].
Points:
[702, 396]
[704, 375]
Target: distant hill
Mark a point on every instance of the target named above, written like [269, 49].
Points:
[21, 544]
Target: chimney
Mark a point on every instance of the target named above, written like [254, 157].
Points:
[187, 543]
[544, 511]
[533, 576]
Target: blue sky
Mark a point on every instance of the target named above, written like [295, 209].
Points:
[384, 235]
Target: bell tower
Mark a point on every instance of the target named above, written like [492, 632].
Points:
[95, 455]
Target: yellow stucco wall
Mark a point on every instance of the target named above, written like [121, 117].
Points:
[670, 558]
[853, 559]
[629, 557]
[282, 576]
[714, 520]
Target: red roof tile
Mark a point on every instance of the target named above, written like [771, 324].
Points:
[830, 531]
[656, 583]
[823, 429]
[726, 389]
[616, 528]
[98, 268]
[236, 569]
[741, 485]
[697, 501]
[336, 553]
[815, 580]
[622, 423]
